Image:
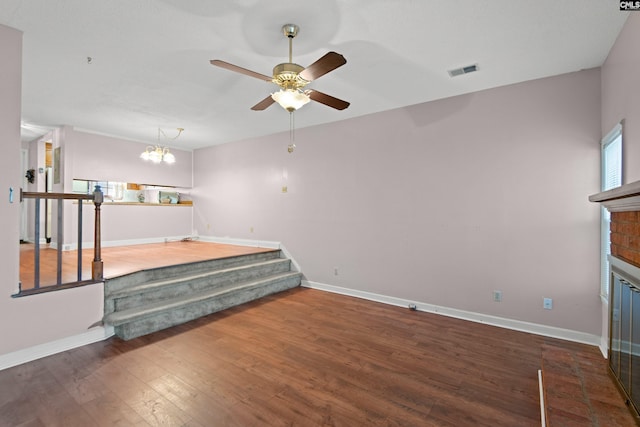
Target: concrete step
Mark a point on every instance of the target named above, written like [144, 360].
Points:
[157, 290]
[115, 284]
[138, 321]
[147, 301]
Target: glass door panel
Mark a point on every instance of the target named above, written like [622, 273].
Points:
[625, 336]
[635, 348]
[614, 346]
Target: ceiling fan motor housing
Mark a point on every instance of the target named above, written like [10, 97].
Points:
[287, 76]
[290, 30]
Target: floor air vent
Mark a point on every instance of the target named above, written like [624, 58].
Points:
[463, 70]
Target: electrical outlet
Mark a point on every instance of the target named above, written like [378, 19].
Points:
[250, 229]
[547, 303]
[284, 189]
[335, 271]
[497, 296]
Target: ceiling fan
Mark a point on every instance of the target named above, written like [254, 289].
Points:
[292, 78]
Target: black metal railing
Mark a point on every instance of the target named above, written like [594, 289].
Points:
[96, 267]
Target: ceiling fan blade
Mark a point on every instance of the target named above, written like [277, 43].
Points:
[322, 66]
[231, 67]
[264, 104]
[327, 100]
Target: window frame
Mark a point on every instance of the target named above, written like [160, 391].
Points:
[615, 135]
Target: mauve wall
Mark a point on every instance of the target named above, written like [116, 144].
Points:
[621, 100]
[98, 157]
[25, 322]
[104, 158]
[440, 203]
[621, 94]
[10, 101]
[133, 224]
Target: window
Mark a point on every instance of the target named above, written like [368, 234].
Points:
[611, 177]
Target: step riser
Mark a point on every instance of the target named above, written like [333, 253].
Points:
[167, 319]
[214, 280]
[117, 284]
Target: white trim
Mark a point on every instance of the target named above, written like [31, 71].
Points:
[47, 349]
[130, 242]
[613, 134]
[212, 239]
[543, 412]
[242, 242]
[294, 265]
[624, 191]
[629, 271]
[502, 322]
[627, 204]
[604, 338]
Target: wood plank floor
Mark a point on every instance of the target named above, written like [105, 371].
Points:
[120, 260]
[300, 358]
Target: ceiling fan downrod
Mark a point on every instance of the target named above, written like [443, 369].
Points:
[290, 31]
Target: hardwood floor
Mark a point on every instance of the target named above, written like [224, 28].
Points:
[303, 357]
[122, 259]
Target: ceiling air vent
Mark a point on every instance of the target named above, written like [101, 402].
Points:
[463, 70]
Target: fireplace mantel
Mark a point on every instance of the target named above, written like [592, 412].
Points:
[621, 199]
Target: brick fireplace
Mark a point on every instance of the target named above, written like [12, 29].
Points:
[624, 204]
[625, 236]
[624, 295]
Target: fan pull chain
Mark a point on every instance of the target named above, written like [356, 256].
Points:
[292, 138]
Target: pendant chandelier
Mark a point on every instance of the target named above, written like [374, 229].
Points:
[158, 154]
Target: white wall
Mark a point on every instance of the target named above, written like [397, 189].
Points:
[621, 101]
[440, 203]
[620, 94]
[26, 322]
[11, 177]
[97, 157]
[133, 224]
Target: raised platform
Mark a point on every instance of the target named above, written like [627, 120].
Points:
[578, 390]
[119, 260]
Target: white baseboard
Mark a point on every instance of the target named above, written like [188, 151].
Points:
[604, 347]
[241, 242]
[129, 242]
[47, 349]
[212, 239]
[517, 325]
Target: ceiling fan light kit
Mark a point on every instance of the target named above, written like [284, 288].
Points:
[292, 78]
[290, 99]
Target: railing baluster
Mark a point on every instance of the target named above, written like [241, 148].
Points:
[80, 240]
[60, 240]
[96, 266]
[36, 253]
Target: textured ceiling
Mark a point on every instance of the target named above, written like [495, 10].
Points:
[150, 68]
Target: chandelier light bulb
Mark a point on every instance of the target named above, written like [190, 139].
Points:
[158, 154]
